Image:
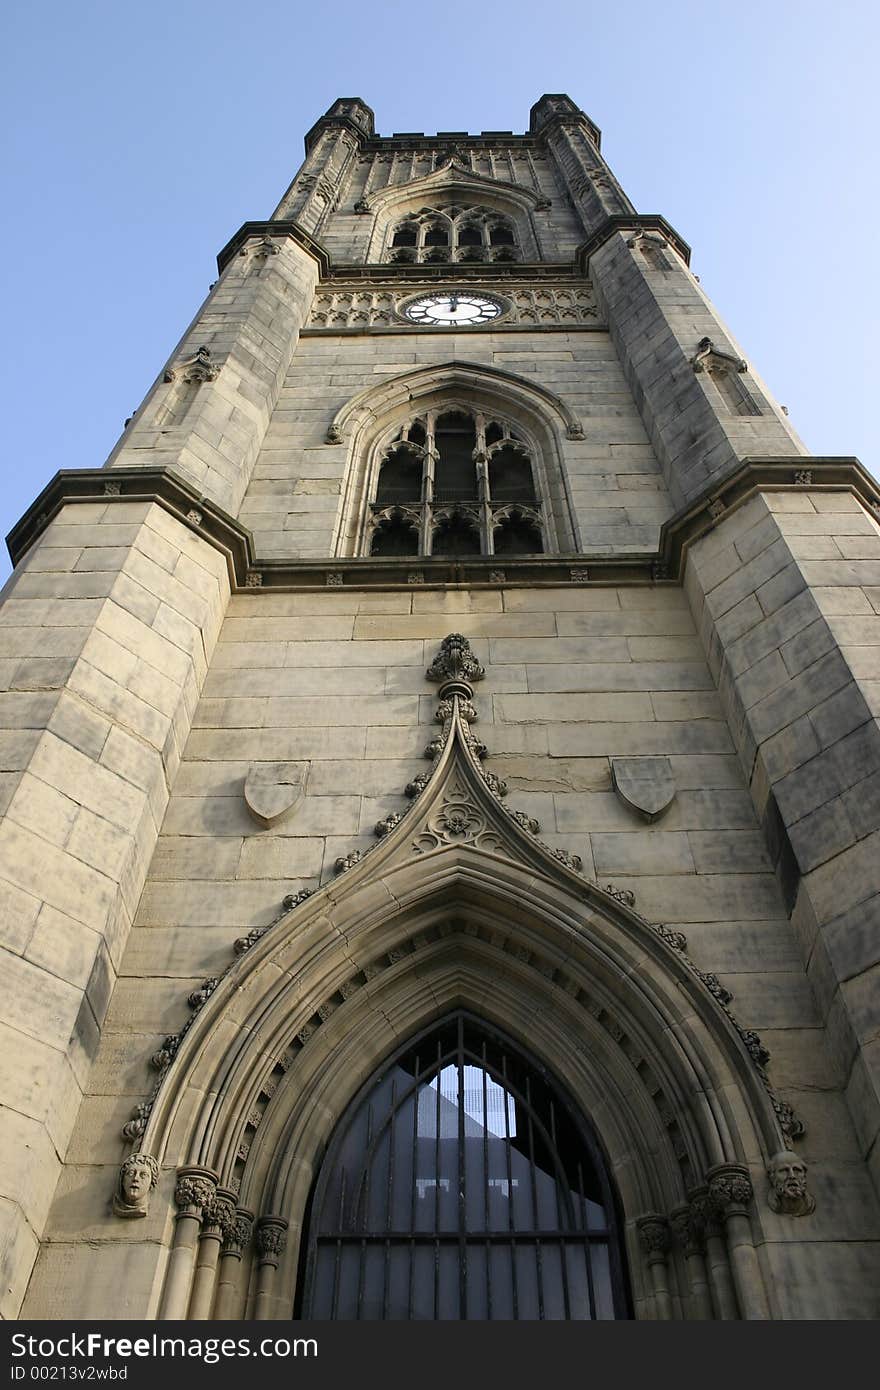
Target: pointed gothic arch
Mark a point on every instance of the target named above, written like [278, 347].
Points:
[367, 423]
[453, 182]
[460, 906]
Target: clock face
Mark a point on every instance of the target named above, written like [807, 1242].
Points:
[452, 309]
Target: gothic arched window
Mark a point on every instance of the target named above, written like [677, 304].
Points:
[458, 473]
[461, 1185]
[464, 233]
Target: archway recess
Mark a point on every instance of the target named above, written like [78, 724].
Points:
[460, 906]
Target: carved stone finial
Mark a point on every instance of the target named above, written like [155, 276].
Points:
[455, 662]
[271, 1239]
[787, 1175]
[730, 1190]
[194, 1191]
[137, 1178]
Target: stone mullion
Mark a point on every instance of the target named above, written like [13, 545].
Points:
[730, 1194]
[193, 1195]
[271, 1243]
[427, 526]
[481, 464]
[654, 1238]
[230, 1297]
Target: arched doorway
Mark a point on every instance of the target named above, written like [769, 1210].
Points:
[461, 1185]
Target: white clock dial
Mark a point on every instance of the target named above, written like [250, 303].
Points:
[453, 309]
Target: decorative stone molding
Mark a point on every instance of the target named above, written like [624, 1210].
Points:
[219, 1214]
[274, 790]
[644, 784]
[363, 307]
[803, 477]
[730, 1190]
[238, 1235]
[347, 861]
[196, 369]
[688, 1229]
[654, 1237]
[194, 1191]
[709, 358]
[137, 1178]
[254, 579]
[787, 1176]
[455, 662]
[271, 1239]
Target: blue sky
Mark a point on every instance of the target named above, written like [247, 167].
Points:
[138, 137]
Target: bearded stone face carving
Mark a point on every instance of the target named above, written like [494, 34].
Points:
[788, 1185]
[137, 1178]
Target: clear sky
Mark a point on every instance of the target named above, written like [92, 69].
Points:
[140, 136]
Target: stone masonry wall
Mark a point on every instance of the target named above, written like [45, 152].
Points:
[106, 633]
[787, 594]
[617, 491]
[336, 682]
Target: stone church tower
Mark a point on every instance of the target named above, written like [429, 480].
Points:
[442, 786]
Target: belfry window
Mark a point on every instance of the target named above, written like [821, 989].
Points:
[453, 232]
[461, 1185]
[456, 483]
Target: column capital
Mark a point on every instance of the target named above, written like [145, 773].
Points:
[654, 1236]
[730, 1190]
[194, 1191]
[271, 1239]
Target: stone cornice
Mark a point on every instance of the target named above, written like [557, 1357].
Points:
[626, 222]
[274, 229]
[792, 474]
[246, 571]
[159, 485]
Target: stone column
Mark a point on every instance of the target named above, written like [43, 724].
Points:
[723, 1297]
[654, 1238]
[689, 1231]
[193, 1194]
[235, 1241]
[218, 1219]
[730, 1195]
[271, 1243]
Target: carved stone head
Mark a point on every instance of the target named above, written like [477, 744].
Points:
[137, 1178]
[788, 1185]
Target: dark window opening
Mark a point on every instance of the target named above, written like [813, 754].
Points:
[395, 536]
[501, 236]
[455, 475]
[494, 433]
[400, 478]
[461, 1185]
[517, 535]
[456, 535]
[470, 236]
[405, 236]
[436, 236]
[510, 476]
[417, 432]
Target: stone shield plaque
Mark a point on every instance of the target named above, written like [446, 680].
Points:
[273, 790]
[646, 785]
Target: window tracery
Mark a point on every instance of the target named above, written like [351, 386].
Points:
[454, 482]
[453, 233]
